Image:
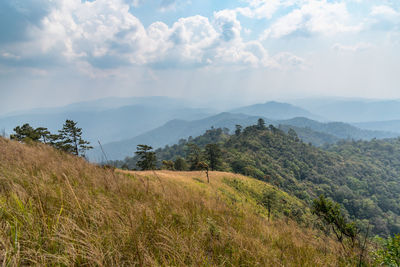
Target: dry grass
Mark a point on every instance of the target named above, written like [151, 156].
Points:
[57, 209]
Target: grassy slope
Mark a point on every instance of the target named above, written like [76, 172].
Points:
[58, 209]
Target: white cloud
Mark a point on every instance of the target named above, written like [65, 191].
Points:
[313, 17]
[260, 8]
[383, 10]
[228, 25]
[352, 48]
[105, 35]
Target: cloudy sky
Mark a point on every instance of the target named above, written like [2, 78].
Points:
[54, 52]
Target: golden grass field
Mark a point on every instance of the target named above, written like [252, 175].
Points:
[57, 209]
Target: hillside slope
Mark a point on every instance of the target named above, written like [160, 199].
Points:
[362, 176]
[57, 209]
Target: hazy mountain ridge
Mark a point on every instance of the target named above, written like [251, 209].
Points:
[109, 124]
[352, 110]
[276, 110]
[158, 121]
[308, 130]
[393, 125]
[340, 129]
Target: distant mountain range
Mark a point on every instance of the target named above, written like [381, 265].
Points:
[109, 119]
[308, 130]
[114, 119]
[276, 110]
[392, 126]
[122, 123]
[352, 110]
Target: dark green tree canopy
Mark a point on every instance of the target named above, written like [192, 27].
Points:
[180, 164]
[238, 129]
[213, 155]
[261, 124]
[25, 132]
[70, 139]
[194, 156]
[147, 157]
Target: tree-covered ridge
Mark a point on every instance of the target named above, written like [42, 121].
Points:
[362, 176]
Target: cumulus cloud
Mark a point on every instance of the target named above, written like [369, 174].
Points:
[228, 25]
[313, 17]
[104, 34]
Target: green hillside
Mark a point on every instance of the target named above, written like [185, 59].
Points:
[58, 210]
[366, 181]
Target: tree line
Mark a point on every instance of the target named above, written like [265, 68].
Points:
[68, 139]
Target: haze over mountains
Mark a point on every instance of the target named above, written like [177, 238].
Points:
[109, 119]
[276, 110]
[309, 131]
[352, 110]
[122, 123]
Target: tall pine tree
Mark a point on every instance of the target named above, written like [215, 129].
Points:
[147, 157]
[70, 139]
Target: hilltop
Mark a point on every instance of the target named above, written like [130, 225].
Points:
[58, 209]
[363, 176]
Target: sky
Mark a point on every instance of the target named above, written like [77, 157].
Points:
[56, 52]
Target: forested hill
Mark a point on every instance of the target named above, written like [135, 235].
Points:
[362, 176]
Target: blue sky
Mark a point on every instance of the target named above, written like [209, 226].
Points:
[62, 51]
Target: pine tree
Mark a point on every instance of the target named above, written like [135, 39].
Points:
[25, 132]
[261, 124]
[147, 157]
[44, 134]
[70, 139]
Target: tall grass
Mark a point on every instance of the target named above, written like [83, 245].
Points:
[57, 209]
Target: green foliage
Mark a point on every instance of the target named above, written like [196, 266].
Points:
[213, 155]
[261, 124]
[44, 133]
[168, 165]
[194, 156]
[180, 164]
[70, 139]
[238, 129]
[147, 157]
[389, 254]
[268, 200]
[362, 176]
[26, 132]
[331, 214]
